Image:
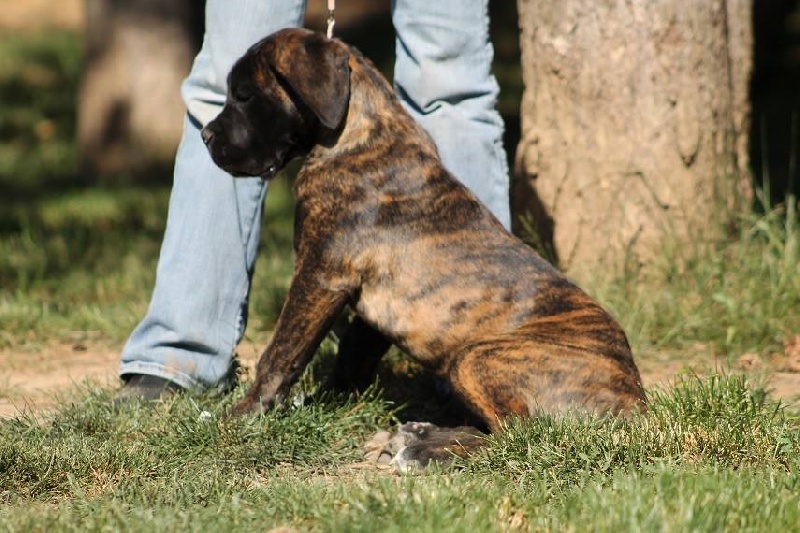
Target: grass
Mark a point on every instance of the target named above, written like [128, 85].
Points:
[712, 454]
[740, 294]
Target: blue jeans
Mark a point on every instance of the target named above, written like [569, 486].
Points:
[198, 309]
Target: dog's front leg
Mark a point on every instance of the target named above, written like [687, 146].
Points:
[307, 315]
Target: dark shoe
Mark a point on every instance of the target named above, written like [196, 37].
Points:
[146, 388]
[230, 380]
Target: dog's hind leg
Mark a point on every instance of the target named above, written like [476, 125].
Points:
[506, 378]
[492, 383]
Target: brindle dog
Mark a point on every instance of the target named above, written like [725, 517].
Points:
[382, 227]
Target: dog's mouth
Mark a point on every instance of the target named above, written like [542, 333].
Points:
[281, 158]
[266, 174]
[270, 172]
[272, 167]
[265, 171]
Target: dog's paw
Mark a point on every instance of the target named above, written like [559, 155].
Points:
[414, 445]
[247, 406]
[378, 449]
[418, 456]
[384, 446]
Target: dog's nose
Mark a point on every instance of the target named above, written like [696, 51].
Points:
[207, 135]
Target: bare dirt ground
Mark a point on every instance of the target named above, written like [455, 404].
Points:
[33, 380]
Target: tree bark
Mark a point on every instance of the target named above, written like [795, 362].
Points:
[634, 123]
[130, 108]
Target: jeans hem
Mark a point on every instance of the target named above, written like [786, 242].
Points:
[184, 381]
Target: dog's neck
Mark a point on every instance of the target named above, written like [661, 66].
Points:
[374, 113]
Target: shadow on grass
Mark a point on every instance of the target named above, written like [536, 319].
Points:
[413, 393]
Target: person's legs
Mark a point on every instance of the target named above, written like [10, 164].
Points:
[198, 309]
[443, 76]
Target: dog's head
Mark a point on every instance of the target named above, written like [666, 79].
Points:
[283, 94]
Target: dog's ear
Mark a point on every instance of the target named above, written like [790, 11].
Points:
[317, 70]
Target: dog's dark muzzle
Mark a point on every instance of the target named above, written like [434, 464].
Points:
[232, 149]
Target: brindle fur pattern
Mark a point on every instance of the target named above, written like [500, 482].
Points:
[382, 227]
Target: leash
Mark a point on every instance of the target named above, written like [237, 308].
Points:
[331, 20]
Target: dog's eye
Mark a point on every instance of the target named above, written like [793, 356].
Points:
[242, 92]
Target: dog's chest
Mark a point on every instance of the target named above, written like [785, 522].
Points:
[418, 328]
[427, 304]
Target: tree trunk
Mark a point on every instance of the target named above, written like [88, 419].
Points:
[634, 123]
[130, 108]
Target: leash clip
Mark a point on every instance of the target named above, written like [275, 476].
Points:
[331, 18]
